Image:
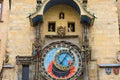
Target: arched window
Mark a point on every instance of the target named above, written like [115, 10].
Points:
[61, 15]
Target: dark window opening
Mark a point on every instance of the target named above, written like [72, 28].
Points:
[25, 72]
[51, 27]
[10, 4]
[61, 15]
[39, 1]
[71, 27]
[84, 1]
[0, 10]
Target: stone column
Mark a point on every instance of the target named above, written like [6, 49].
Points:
[38, 48]
[85, 46]
[38, 32]
[85, 36]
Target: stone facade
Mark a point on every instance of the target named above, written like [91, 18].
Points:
[3, 30]
[17, 35]
[118, 3]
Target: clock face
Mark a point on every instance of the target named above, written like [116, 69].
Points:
[64, 59]
[61, 60]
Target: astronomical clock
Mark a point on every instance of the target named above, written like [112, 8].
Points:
[61, 40]
[61, 60]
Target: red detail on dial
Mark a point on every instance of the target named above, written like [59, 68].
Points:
[72, 71]
[69, 62]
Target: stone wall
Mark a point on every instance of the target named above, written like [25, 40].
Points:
[118, 10]
[3, 30]
[20, 35]
[104, 33]
[16, 30]
[104, 36]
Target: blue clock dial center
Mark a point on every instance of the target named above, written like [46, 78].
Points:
[64, 59]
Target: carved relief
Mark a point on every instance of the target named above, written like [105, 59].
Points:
[61, 31]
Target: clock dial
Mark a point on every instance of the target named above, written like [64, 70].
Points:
[64, 59]
[61, 60]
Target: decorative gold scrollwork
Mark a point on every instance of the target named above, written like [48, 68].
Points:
[61, 31]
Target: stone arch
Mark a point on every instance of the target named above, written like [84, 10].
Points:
[51, 3]
[37, 16]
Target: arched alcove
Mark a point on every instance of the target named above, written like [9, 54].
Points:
[56, 2]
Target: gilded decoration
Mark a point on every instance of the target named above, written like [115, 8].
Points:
[61, 31]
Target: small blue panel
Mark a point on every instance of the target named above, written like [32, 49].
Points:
[36, 19]
[85, 19]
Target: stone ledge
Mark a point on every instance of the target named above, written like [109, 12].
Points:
[109, 65]
[8, 66]
[57, 36]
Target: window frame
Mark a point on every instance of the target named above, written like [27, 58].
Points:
[26, 70]
[54, 26]
[10, 1]
[63, 15]
[68, 25]
[1, 2]
[39, 1]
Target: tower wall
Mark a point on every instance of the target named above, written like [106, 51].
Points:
[17, 35]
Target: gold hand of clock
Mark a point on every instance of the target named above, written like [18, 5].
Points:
[63, 59]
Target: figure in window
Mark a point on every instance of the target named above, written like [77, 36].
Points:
[70, 28]
[61, 15]
[51, 27]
